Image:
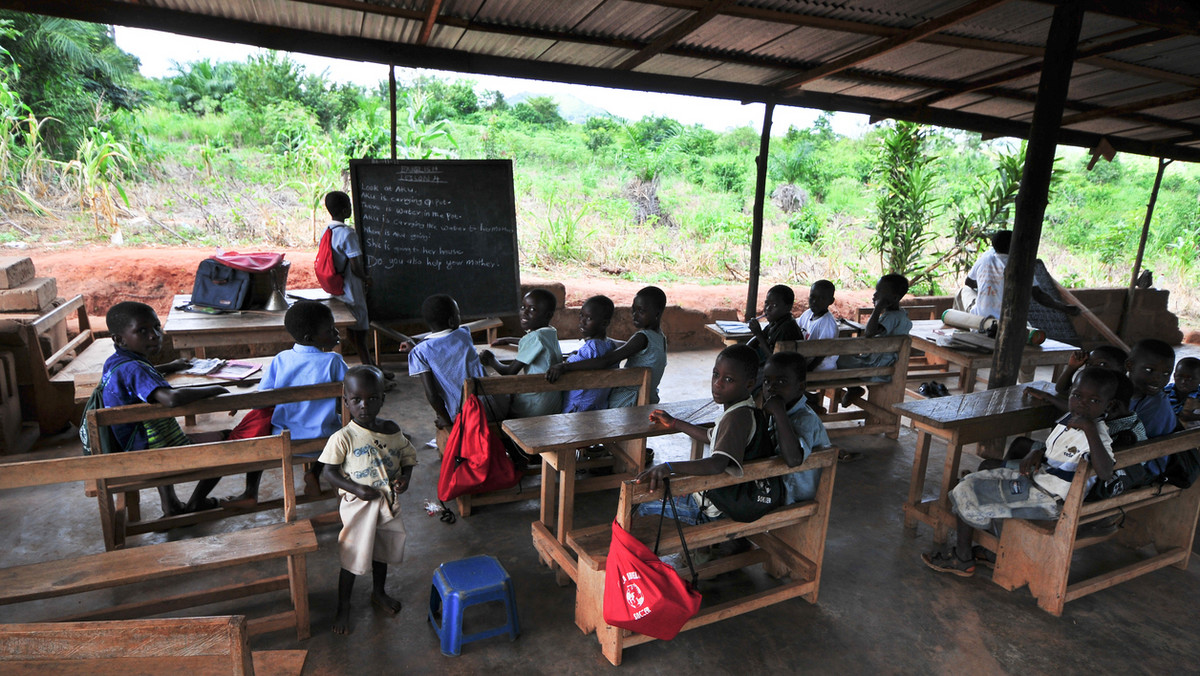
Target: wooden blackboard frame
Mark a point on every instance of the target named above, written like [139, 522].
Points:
[442, 201]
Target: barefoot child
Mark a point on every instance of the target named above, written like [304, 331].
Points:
[537, 352]
[309, 362]
[792, 425]
[1033, 484]
[130, 378]
[445, 359]
[647, 347]
[373, 462]
[594, 318]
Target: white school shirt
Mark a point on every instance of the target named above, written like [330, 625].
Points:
[819, 328]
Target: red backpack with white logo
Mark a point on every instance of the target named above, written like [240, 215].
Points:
[328, 277]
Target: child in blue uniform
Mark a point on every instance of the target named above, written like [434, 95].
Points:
[594, 318]
[445, 359]
[130, 378]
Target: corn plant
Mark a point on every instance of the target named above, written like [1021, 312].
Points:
[563, 238]
[98, 172]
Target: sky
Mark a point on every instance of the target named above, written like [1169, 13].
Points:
[159, 52]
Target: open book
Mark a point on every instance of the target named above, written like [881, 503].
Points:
[220, 368]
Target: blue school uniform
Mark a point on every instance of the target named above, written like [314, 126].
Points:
[654, 357]
[129, 378]
[595, 399]
[1177, 398]
[305, 365]
[451, 357]
[1159, 420]
[811, 432]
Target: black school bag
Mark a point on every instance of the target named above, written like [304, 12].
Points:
[1182, 469]
[746, 502]
[108, 444]
[220, 287]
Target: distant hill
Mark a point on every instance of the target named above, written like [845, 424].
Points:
[572, 108]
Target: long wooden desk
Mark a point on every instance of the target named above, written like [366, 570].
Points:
[192, 333]
[556, 438]
[927, 332]
[960, 420]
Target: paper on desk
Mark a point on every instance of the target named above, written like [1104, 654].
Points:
[733, 327]
[203, 367]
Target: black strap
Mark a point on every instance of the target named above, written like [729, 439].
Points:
[687, 555]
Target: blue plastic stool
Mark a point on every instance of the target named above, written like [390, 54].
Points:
[468, 582]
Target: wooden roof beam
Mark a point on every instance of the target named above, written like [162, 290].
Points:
[890, 44]
[1118, 111]
[431, 13]
[675, 33]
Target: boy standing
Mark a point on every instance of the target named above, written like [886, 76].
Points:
[348, 258]
[130, 378]
[817, 322]
[794, 427]
[1033, 486]
[594, 318]
[777, 308]
[537, 352]
[374, 463]
[445, 359]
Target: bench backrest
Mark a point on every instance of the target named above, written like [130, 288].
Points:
[159, 461]
[163, 646]
[571, 380]
[241, 401]
[1133, 455]
[851, 346]
[55, 317]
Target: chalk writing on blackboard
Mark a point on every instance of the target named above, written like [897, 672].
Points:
[437, 227]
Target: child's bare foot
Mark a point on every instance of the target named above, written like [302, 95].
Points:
[243, 501]
[174, 508]
[384, 602]
[950, 563]
[201, 504]
[341, 621]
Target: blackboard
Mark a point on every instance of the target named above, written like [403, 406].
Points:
[437, 226]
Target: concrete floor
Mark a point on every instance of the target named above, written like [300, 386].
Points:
[880, 610]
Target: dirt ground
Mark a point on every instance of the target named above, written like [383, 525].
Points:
[107, 275]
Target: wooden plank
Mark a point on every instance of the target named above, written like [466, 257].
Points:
[227, 402]
[571, 380]
[1116, 577]
[126, 566]
[167, 604]
[192, 636]
[115, 465]
[569, 431]
[278, 662]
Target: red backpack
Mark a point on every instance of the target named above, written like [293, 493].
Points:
[328, 277]
[474, 459]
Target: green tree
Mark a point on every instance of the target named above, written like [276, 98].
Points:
[539, 110]
[200, 87]
[905, 201]
[71, 72]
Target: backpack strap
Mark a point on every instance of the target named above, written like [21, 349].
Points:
[687, 555]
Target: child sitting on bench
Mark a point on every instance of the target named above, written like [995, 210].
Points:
[647, 347]
[1033, 479]
[373, 463]
[130, 378]
[818, 323]
[308, 362]
[1184, 393]
[537, 352]
[594, 318]
[887, 319]
[781, 325]
[445, 359]
[794, 427]
[1108, 357]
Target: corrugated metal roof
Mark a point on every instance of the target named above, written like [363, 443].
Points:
[975, 73]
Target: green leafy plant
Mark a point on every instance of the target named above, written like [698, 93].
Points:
[905, 203]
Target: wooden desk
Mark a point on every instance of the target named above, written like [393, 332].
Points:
[926, 333]
[192, 333]
[556, 437]
[86, 369]
[727, 337]
[960, 420]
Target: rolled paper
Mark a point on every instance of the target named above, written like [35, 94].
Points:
[965, 320]
[1036, 336]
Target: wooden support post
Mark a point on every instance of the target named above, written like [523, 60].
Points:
[1035, 188]
[392, 103]
[1137, 264]
[760, 188]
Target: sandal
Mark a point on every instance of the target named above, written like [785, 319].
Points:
[848, 456]
[949, 563]
[984, 557]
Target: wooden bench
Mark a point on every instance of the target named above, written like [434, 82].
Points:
[1039, 553]
[50, 403]
[572, 380]
[489, 326]
[876, 415]
[289, 539]
[118, 496]
[197, 646]
[789, 542]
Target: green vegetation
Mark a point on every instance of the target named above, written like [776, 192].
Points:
[239, 153]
